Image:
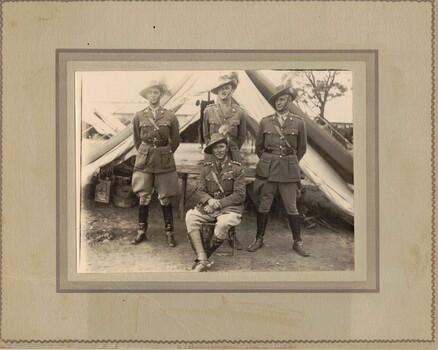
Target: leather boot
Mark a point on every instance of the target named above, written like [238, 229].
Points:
[198, 247]
[232, 240]
[168, 224]
[143, 213]
[213, 245]
[262, 221]
[295, 226]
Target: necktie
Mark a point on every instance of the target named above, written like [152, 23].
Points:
[219, 167]
[281, 120]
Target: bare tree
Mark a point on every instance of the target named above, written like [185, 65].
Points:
[316, 88]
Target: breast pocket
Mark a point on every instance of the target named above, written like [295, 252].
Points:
[267, 138]
[228, 183]
[146, 130]
[291, 135]
[213, 127]
[164, 130]
[233, 127]
[211, 185]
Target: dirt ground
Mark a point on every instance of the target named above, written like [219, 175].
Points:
[106, 232]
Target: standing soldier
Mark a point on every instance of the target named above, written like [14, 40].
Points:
[221, 195]
[280, 145]
[156, 138]
[228, 118]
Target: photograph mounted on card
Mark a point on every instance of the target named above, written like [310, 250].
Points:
[241, 164]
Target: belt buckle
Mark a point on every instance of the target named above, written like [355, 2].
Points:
[283, 151]
[155, 142]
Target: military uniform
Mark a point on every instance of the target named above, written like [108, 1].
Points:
[232, 180]
[278, 167]
[155, 164]
[154, 168]
[227, 185]
[280, 145]
[235, 119]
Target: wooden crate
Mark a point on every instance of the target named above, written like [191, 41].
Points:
[103, 191]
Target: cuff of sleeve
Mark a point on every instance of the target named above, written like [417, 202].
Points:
[205, 199]
[223, 202]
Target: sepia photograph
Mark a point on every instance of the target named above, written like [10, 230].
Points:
[215, 170]
[219, 174]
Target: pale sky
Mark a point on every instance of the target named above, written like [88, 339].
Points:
[105, 87]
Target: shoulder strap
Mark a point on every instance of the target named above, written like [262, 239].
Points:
[217, 181]
[282, 136]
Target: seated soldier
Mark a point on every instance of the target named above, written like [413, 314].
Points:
[221, 196]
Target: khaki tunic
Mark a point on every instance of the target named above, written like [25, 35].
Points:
[232, 180]
[152, 158]
[236, 119]
[274, 166]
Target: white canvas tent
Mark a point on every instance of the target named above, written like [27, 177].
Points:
[194, 86]
[188, 114]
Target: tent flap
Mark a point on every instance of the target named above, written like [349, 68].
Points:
[315, 164]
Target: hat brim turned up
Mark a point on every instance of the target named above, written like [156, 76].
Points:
[232, 82]
[286, 91]
[160, 86]
[215, 139]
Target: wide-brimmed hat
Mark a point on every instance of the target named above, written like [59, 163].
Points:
[159, 84]
[215, 139]
[231, 78]
[282, 90]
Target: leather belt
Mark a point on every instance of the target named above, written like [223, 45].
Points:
[157, 142]
[281, 151]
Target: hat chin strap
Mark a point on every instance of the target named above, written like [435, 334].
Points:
[284, 110]
[156, 104]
